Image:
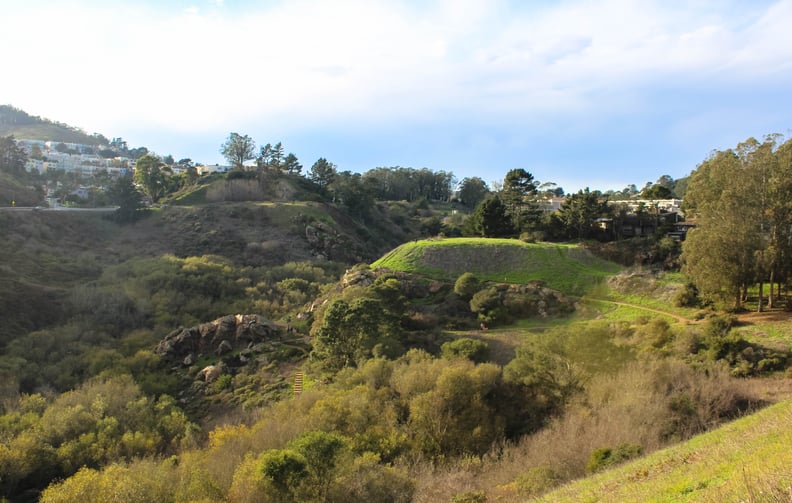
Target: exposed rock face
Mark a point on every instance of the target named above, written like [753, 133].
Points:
[218, 337]
[211, 372]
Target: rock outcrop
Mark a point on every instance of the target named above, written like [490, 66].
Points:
[217, 337]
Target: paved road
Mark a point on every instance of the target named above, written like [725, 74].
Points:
[58, 208]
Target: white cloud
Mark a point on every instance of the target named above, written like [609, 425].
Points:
[362, 63]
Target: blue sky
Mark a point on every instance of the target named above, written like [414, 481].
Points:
[579, 92]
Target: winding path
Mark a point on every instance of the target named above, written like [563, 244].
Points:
[677, 317]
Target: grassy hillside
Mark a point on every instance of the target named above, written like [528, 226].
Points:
[747, 460]
[567, 268]
[22, 125]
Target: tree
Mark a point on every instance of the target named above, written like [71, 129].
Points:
[124, 194]
[349, 332]
[150, 174]
[519, 194]
[472, 191]
[490, 219]
[265, 157]
[458, 415]
[138, 152]
[276, 157]
[238, 149]
[286, 470]
[348, 189]
[323, 173]
[291, 165]
[580, 211]
[321, 451]
[657, 191]
[720, 254]
[12, 157]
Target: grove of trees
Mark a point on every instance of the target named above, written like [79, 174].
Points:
[740, 201]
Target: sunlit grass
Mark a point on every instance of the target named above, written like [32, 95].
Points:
[567, 268]
[746, 460]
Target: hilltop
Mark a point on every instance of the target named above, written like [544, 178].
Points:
[20, 124]
[569, 268]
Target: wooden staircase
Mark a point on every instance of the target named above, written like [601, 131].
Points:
[298, 383]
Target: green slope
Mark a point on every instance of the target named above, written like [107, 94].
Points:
[747, 460]
[567, 268]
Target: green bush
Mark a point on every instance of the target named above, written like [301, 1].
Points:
[472, 349]
[466, 286]
[606, 457]
[687, 296]
[470, 497]
[537, 480]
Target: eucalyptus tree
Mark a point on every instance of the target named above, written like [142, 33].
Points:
[724, 197]
[472, 191]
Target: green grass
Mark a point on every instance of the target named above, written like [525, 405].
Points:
[746, 460]
[567, 268]
[776, 334]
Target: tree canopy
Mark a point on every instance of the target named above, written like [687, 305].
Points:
[739, 199]
[152, 176]
[238, 149]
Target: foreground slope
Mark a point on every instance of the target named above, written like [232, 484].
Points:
[568, 268]
[747, 460]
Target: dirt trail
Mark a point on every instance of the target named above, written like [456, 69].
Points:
[677, 317]
[745, 318]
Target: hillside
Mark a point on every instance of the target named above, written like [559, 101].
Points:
[747, 460]
[22, 125]
[13, 189]
[570, 269]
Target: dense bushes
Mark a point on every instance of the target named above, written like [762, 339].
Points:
[561, 399]
[102, 421]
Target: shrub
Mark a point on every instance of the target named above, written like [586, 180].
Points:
[470, 497]
[606, 457]
[474, 350]
[466, 286]
[537, 481]
[687, 296]
[487, 305]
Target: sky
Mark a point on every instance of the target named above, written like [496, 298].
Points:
[580, 93]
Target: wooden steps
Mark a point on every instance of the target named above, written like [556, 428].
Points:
[298, 383]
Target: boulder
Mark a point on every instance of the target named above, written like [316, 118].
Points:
[221, 336]
[210, 373]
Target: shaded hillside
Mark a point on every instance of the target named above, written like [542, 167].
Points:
[46, 256]
[258, 233]
[13, 189]
[567, 268]
[42, 256]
